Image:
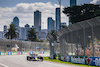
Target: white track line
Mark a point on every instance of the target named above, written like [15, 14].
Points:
[3, 65]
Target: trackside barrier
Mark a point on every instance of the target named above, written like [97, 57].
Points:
[67, 58]
[9, 53]
[94, 61]
[30, 52]
[24, 52]
[41, 52]
[20, 53]
[36, 52]
[52, 56]
[46, 52]
[62, 58]
[3, 53]
[14, 53]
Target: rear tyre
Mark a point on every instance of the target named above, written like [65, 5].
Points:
[28, 58]
[41, 58]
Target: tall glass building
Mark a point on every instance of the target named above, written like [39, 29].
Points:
[27, 25]
[37, 22]
[5, 28]
[22, 33]
[57, 18]
[51, 24]
[16, 21]
[72, 3]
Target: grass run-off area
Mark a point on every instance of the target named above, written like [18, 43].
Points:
[58, 61]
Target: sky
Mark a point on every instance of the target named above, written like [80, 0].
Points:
[24, 10]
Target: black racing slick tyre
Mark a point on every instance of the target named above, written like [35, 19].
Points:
[28, 58]
[41, 58]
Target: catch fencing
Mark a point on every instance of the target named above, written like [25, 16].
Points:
[78, 43]
[13, 45]
[81, 39]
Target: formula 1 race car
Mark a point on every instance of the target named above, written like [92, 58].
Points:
[34, 57]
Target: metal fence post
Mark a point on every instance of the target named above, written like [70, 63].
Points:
[71, 41]
[67, 43]
[83, 36]
[92, 36]
[76, 39]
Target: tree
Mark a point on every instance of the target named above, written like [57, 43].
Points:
[53, 33]
[81, 13]
[12, 32]
[32, 34]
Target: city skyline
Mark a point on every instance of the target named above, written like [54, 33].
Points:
[23, 10]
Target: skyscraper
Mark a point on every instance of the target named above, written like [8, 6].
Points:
[57, 18]
[27, 27]
[5, 29]
[22, 34]
[16, 21]
[37, 22]
[51, 24]
[72, 3]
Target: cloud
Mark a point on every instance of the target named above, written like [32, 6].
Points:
[25, 13]
[95, 2]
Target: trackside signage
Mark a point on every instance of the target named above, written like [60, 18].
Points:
[25, 52]
[52, 56]
[37, 52]
[14, 53]
[62, 58]
[78, 60]
[68, 58]
[3, 53]
[9, 53]
[46, 52]
[30, 52]
[94, 61]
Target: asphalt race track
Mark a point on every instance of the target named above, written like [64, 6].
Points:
[20, 61]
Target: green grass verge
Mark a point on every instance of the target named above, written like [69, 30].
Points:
[55, 60]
